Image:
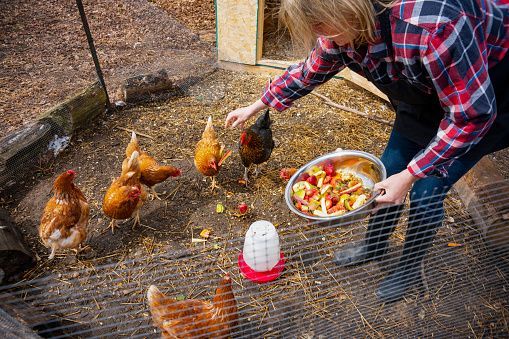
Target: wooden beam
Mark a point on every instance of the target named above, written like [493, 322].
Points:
[78, 110]
[346, 74]
[148, 87]
[259, 30]
[274, 67]
[21, 150]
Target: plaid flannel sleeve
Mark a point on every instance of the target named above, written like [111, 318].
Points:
[456, 61]
[298, 80]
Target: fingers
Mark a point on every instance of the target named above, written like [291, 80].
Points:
[238, 122]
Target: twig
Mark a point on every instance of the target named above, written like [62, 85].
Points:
[137, 133]
[351, 110]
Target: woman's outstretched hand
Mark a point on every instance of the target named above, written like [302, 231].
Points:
[395, 188]
[238, 117]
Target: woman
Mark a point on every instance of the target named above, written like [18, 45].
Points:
[444, 64]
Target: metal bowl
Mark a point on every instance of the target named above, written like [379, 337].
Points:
[365, 165]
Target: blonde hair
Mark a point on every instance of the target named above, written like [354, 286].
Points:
[355, 17]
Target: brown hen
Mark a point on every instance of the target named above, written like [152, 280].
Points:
[65, 217]
[151, 172]
[125, 196]
[209, 154]
[195, 318]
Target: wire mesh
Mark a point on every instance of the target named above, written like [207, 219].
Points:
[463, 290]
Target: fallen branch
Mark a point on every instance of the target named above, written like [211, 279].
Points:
[351, 110]
[137, 133]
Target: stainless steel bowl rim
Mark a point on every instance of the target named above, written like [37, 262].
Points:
[369, 202]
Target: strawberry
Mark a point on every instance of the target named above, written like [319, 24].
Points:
[242, 208]
[312, 180]
[328, 168]
[335, 200]
[304, 176]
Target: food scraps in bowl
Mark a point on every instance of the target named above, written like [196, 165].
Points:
[324, 191]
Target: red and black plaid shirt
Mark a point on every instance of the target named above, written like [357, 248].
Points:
[444, 46]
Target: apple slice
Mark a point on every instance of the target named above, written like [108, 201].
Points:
[361, 199]
[300, 194]
[351, 189]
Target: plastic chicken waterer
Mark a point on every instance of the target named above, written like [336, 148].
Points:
[261, 259]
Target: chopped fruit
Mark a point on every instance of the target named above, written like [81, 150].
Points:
[351, 189]
[329, 169]
[320, 182]
[334, 199]
[300, 194]
[312, 180]
[320, 174]
[324, 191]
[219, 208]
[243, 208]
[286, 173]
[328, 203]
[361, 199]
[347, 205]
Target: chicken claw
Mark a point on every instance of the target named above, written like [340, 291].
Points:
[137, 220]
[113, 225]
[246, 177]
[153, 194]
[213, 185]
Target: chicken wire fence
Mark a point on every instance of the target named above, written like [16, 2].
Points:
[145, 54]
[462, 290]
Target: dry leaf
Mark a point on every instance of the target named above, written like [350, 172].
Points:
[454, 244]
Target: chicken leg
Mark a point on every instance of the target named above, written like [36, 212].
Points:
[246, 176]
[213, 185]
[113, 225]
[53, 251]
[153, 194]
[137, 220]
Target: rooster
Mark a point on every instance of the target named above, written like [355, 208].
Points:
[151, 172]
[256, 143]
[65, 217]
[195, 318]
[209, 155]
[125, 196]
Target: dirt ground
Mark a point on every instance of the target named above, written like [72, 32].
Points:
[102, 289]
[44, 56]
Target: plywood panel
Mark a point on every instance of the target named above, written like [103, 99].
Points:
[237, 29]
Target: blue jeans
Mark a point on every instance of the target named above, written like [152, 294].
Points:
[426, 205]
